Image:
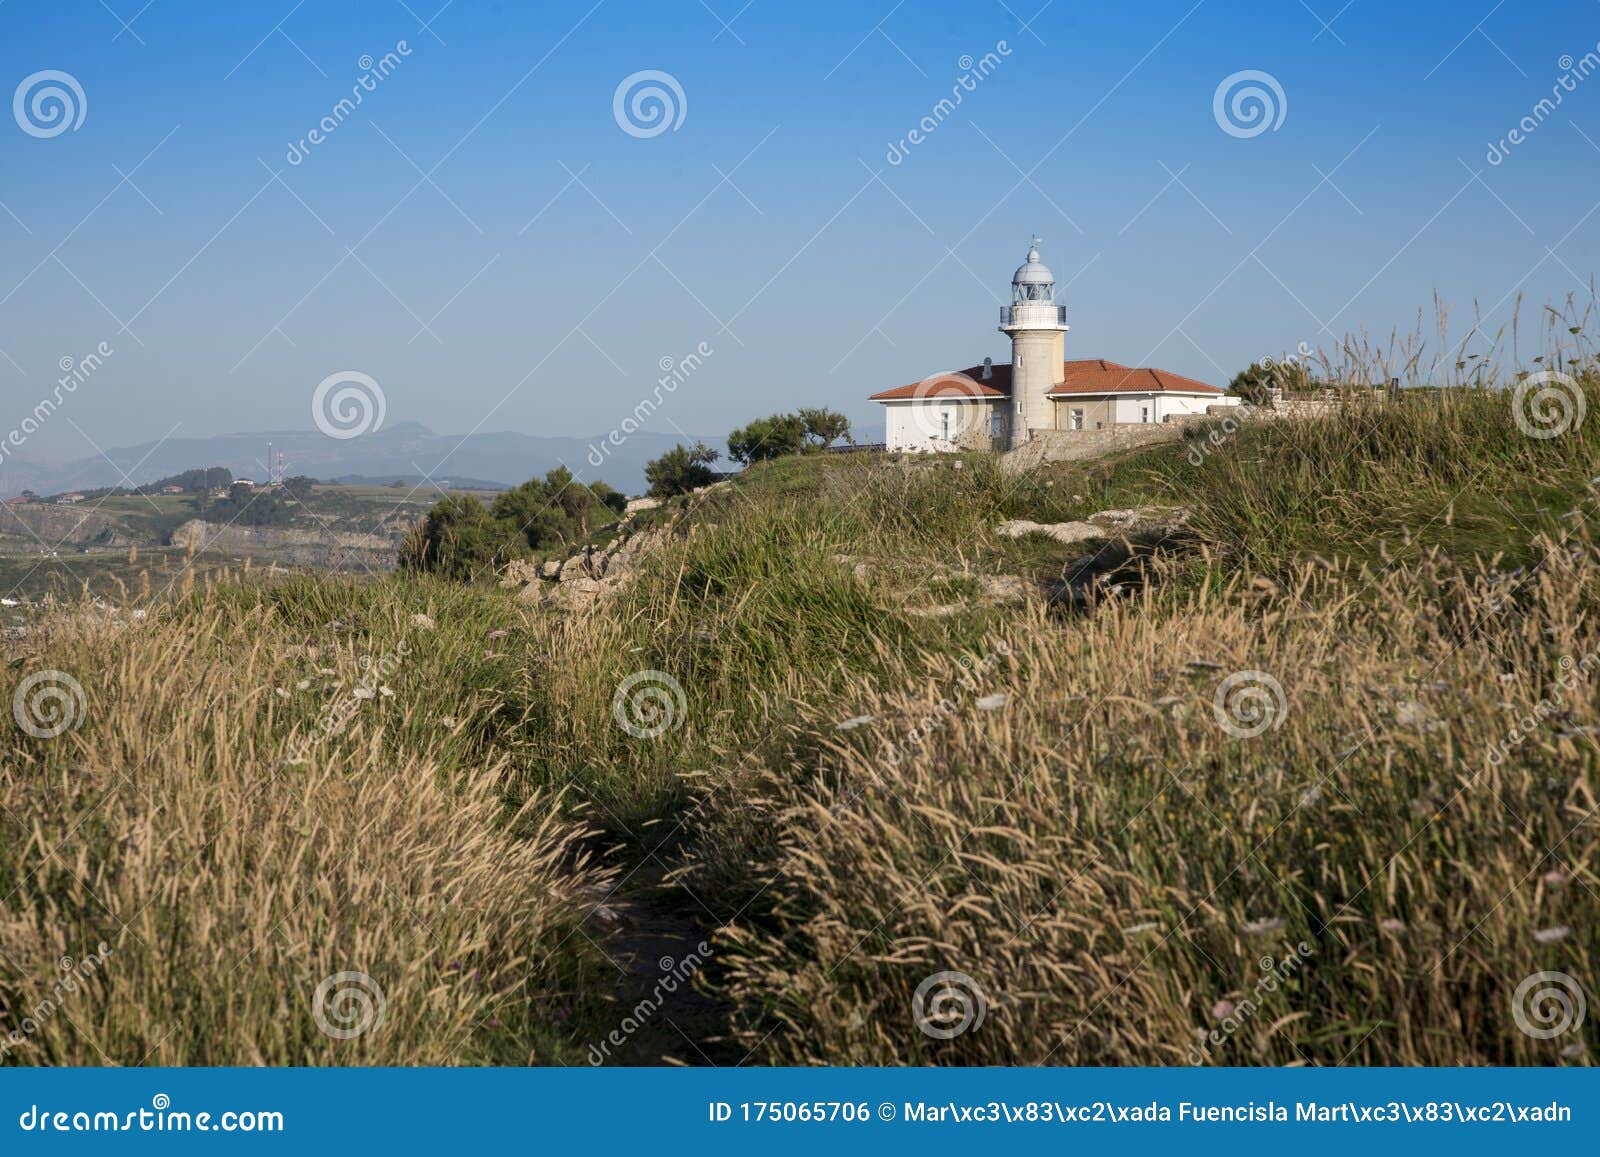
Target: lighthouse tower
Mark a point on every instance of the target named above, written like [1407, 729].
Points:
[1038, 327]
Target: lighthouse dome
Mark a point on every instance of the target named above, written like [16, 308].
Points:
[1033, 281]
[1033, 271]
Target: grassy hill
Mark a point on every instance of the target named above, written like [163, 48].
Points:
[1306, 776]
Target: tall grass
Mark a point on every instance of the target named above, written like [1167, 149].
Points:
[230, 872]
[1109, 865]
[874, 774]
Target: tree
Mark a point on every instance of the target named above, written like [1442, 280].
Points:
[1255, 383]
[824, 425]
[299, 487]
[244, 507]
[680, 470]
[767, 438]
[526, 515]
[458, 540]
[612, 499]
[461, 538]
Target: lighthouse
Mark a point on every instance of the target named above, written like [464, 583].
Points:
[1037, 326]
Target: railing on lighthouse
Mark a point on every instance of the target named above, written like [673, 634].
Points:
[1032, 313]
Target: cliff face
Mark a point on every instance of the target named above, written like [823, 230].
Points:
[70, 526]
[292, 546]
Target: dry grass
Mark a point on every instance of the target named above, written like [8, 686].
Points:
[228, 883]
[1108, 864]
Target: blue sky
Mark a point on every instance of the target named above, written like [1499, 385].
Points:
[483, 239]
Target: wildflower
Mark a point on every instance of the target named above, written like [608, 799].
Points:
[1392, 925]
[1263, 927]
[1552, 935]
[992, 702]
[1222, 1010]
[856, 721]
[1554, 878]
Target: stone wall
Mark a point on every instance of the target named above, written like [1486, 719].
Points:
[1074, 445]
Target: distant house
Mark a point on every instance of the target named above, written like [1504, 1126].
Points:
[70, 498]
[19, 500]
[172, 490]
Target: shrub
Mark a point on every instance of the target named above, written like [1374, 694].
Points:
[680, 470]
[462, 539]
[765, 438]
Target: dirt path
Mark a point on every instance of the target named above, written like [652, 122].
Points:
[659, 939]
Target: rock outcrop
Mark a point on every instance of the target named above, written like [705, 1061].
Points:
[1140, 521]
[1060, 531]
[578, 582]
[291, 545]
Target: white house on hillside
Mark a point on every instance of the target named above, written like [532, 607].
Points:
[1002, 406]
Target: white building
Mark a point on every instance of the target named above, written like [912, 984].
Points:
[1001, 406]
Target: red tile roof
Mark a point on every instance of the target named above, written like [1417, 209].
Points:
[967, 383]
[1098, 376]
[1084, 376]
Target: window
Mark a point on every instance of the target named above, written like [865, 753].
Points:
[1144, 413]
[1077, 419]
[944, 418]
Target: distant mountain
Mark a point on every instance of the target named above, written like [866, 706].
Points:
[404, 450]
